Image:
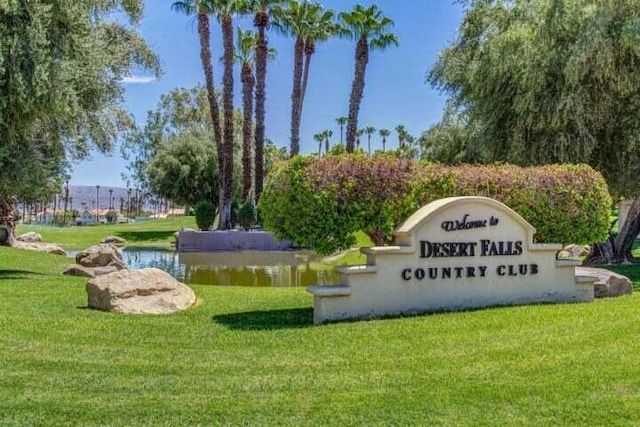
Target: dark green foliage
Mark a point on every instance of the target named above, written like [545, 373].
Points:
[247, 215]
[205, 214]
[111, 217]
[543, 81]
[235, 208]
[321, 203]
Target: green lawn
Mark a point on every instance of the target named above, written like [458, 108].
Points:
[156, 233]
[248, 356]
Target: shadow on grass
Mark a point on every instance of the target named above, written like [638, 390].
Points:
[141, 236]
[17, 274]
[267, 320]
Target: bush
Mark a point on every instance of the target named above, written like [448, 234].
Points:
[321, 203]
[111, 217]
[205, 215]
[247, 215]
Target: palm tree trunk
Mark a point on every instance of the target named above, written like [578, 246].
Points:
[261, 21]
[214, 109]
[309, 50]
[7, 220]
[248, 83]
[357, 88]
[296, 96]
[227, 101]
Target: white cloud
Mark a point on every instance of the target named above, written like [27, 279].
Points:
[137, 79]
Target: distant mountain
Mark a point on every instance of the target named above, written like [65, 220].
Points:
[87, 194]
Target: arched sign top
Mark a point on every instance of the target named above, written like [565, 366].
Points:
[461, 213]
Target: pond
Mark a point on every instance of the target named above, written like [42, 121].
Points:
[251, 268]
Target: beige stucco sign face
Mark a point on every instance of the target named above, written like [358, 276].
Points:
[453, 254]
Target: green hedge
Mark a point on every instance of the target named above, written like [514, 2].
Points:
[320, 203]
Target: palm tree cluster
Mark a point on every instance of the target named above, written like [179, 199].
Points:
[308, 23]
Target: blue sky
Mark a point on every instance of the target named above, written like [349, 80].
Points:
[395, 92]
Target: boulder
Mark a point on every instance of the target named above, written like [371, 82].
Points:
[577, 250]
[145, 291]
[609, 284]
[564, 254]
[102, 255]
[47, 248]
[79, 270]
[30, 237]
[114, 240]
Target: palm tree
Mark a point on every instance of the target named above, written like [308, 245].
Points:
[327, 134]
[244, 55]
[97, 202]
[261, 22]
[369, 27]
[384, 133]
[202, 8]
[341, 121]
[308, 23]
[369, 130]
[321, 27]
[359, 133]
[319, 138]
[402, 135]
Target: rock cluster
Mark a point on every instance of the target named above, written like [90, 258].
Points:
[30, 237]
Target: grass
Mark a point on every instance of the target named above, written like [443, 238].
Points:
[157, 233]
[247, 356]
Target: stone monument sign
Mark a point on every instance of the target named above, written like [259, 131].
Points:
[452, 254]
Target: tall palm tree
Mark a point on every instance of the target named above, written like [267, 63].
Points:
[244, 55]
[369, 130]
[369, 27]
[319, 138]
[261, 20]
[341, 121]
[321, 27]
[202, 8]
[384, 133]
[327, 135]
[308, 23]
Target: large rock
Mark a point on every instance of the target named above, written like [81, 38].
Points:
[577, 250]
[102, 255]
[30, 237]
[145, 291]
[114, 240]
[40, 247]
[79, 270]
[609, 284]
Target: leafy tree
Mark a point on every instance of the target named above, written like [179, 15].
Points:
[368, 26]
[184, 169]
[549, 81]
[61, 64]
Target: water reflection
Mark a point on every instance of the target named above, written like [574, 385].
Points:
[252, 268]
[288, 269]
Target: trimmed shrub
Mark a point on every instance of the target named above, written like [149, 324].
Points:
[205, 215]
[320, 203]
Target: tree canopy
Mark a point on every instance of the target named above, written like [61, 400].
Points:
[61, 65]
[543, 81]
